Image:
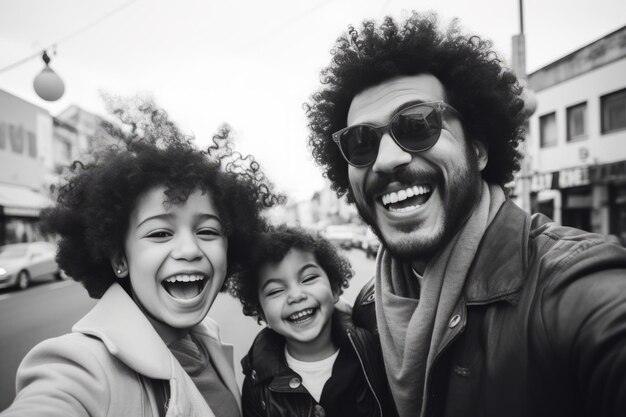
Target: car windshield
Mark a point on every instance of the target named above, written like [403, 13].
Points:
[12, 252]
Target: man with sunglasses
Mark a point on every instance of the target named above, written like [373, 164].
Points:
[481, 309]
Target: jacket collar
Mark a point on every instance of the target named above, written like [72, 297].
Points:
[130, 337]
[500, 265]
[266, 358]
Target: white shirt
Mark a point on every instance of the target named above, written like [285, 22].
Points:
[314, 374]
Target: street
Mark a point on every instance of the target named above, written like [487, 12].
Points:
[49, 310]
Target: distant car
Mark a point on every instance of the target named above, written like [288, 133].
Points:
[23, 263]
[343, 235]
[370, 244]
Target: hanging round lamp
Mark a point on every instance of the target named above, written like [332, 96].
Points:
[48, 85]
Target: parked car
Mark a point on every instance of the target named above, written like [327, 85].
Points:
[23, 263]
[345, 236]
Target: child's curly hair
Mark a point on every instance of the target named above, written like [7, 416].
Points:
[271, 247]
[95, 201]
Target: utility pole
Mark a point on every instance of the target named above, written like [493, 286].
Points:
[519, 47]
[530, 104]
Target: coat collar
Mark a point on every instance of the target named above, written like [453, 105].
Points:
[130, 337]
[500, 265]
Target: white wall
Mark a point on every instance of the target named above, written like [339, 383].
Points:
[589, 87]
[25, 142]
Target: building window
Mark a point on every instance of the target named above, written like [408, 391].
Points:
[613, 108]
[576, 120]
[547, 130]
[21, 229]
[67, 151]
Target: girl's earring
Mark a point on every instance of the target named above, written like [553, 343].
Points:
[119, 266]
[121, 272]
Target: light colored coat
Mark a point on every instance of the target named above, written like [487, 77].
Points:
[105, 367]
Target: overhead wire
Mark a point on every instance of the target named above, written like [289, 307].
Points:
[70, 36]
[276, 29]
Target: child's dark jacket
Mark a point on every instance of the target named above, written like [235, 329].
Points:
[271, 388]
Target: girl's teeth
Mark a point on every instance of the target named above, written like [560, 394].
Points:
[185, 278]
[184, 286]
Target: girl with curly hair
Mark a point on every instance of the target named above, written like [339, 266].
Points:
[152, 229]
[310, 360]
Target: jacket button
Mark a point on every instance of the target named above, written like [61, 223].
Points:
[294, 383]
[454, 321]
[461, 371]
[253, 374]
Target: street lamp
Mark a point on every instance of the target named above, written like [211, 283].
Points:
[48, 85]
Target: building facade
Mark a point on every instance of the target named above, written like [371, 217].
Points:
[322, 210]
[35, 148]
[25, 157]
[77, 134]
[576, 147]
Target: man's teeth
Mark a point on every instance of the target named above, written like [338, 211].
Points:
[185, 278]
[401, 195]
[301, 314]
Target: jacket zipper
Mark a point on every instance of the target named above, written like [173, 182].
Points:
[358, 355]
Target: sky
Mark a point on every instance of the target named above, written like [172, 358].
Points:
[249, 63]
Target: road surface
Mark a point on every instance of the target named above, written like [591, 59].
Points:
[49, 310]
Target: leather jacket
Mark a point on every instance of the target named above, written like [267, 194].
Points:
[540, 329]
[271, 388]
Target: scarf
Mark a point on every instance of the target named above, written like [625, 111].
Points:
[412, 319]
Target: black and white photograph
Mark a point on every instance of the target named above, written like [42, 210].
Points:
[318, 208]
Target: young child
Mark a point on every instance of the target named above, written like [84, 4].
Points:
[151, 229]
[310, 360]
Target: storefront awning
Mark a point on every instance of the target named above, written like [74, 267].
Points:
[21, 201]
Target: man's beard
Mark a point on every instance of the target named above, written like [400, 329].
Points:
[459, 197]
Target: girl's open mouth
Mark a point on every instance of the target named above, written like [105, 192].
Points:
[185, 286]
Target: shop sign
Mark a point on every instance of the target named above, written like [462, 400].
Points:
[18, 139]
[544, 181]
[579, 176]
[567, 178]
[606, 173]
[574, 177]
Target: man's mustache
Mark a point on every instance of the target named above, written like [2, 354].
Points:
[406, 175]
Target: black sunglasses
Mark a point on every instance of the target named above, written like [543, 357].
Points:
[415, 129]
